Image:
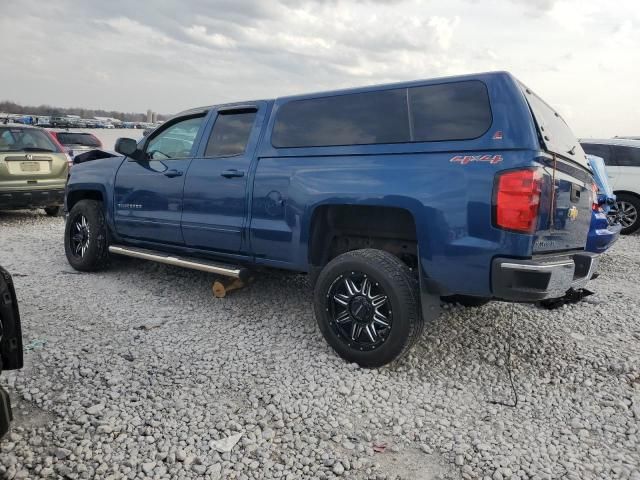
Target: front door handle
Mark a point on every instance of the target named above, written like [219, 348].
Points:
[173, 173]
[232, 173]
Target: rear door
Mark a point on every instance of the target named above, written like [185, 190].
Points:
[216, 188]
[566, 216]
[148, 192]
[627, 159]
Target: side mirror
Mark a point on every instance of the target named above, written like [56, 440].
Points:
[126, 146]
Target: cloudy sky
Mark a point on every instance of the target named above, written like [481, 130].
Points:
[582, 56]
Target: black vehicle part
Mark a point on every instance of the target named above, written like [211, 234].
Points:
[85, 237]
[92, 155]
[466, 300]
[10, 327]
[367, 307]
[6, 415]
[54, 211]
[572, 296]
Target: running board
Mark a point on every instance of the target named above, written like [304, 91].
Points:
[192, 263]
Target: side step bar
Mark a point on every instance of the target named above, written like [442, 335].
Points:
[192, 263]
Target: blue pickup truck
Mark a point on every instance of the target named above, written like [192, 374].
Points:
[390, 197]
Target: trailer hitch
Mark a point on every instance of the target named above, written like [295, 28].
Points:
[572, 296]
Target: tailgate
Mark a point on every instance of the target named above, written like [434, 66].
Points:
[565, 210]
[20, 169]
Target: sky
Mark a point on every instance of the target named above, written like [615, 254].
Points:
[581, 56]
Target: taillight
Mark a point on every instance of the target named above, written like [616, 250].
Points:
[595, 204]
[517, 200]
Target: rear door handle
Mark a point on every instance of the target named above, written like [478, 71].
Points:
[173, 173]
[232, 173]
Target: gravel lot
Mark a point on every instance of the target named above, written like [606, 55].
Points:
[139, 372]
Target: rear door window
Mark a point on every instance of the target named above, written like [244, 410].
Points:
[85, 139]
[450, 111]
[230, 134]
[627, 156]
[599, 150]
[353, 119]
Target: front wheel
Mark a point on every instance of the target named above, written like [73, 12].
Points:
[367, 307]
[85, 236]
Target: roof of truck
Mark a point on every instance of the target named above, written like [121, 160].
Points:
[366, 88]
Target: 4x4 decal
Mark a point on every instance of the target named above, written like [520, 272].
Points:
[465, 159]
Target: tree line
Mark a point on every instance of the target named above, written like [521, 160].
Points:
[48, 110]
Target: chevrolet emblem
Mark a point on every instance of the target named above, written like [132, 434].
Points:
[572, 213]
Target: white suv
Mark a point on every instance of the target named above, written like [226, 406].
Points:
[622, 158]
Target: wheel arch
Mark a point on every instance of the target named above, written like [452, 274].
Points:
[392, 227]
[74, 196]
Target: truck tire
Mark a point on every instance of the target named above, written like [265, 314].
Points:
[629, 208]
[53, 211]
[85, 237]
[367, 307]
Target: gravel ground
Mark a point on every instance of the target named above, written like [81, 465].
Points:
[139, 372]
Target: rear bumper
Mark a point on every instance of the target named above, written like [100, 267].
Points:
[601, 235]
[540, 278]
[31, 198]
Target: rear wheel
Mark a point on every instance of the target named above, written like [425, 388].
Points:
[367, 307]
[628, 211]
[85, 236]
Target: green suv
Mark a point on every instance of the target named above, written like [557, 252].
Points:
[33, 169]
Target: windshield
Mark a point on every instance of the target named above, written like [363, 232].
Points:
[85, 139]
[16, 139]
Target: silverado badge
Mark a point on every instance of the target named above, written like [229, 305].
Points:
[572, 213]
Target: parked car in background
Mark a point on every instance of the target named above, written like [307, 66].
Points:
[605, 225]
[61, 121]
[388, 196]
[10, 342]
[33, 169]
[622, 160]
[75, 143]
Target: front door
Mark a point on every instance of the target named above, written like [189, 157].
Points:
[215, 199]
[148, 192]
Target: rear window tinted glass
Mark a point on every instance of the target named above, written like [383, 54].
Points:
[602, 151]
[354, 119]
[230, 134]
[554, 131]
[627, 156]
[85, 139]
[16, 139]
[451, 111]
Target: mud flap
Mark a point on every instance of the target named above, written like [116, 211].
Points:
[429, 299]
